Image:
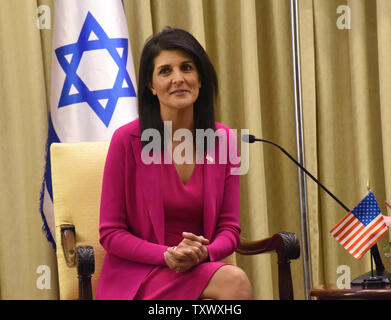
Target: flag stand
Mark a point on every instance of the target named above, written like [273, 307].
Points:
[378, 278]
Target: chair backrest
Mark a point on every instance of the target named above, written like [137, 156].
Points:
[77, 170]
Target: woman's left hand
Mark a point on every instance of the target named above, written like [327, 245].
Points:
[175, 264]
[189, 252]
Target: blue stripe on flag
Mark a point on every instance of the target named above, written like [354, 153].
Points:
[47, 181]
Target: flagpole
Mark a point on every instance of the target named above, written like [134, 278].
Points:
[300, 148]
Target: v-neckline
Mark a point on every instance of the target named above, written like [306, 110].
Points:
[172, 163]
[178, 176]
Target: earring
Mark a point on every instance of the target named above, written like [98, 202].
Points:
[152, 90]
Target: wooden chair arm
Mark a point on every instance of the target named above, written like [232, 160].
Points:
[287, 247]
[286, 244]
[85, 269]
[82, 256]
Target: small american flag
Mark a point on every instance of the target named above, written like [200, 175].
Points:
[361, 228]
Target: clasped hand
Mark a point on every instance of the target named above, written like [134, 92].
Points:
[189, 252]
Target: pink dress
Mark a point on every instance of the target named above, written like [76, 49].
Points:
[183, 209]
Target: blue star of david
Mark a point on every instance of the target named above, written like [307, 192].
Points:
[84, 94]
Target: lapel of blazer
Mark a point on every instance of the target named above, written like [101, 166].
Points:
[151, 186]
[211, 170]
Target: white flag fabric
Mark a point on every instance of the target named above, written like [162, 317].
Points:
[93, 89]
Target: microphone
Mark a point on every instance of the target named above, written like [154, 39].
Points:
[385, 277]
[249, 138]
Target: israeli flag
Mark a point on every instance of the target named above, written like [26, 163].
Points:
[93, 89]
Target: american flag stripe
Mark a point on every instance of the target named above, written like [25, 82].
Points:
[357, 240]
[354, 233]
[369, 243]
[348, 224]
[340, 226]
[349, 231]
[372, 234]
[353, 237]
[342, 233]
[341, 229]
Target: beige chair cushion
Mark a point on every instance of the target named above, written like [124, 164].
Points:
[77, 170]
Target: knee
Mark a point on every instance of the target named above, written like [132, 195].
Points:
[239, 286]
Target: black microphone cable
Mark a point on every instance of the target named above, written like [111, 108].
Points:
[249, 138]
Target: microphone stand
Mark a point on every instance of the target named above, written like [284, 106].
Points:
[369, 279]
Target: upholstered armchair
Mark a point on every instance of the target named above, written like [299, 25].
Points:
[77, 170]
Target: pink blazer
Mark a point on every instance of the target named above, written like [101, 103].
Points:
[132, 216]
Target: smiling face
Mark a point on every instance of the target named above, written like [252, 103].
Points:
[175, 80]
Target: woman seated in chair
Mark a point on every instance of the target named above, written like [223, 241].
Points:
[166, 224]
